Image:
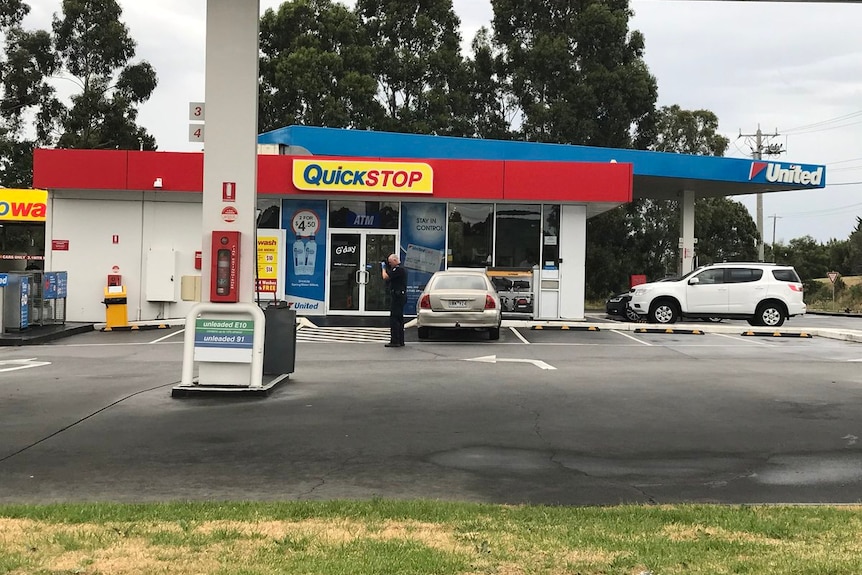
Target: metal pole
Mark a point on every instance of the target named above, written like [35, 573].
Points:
[758, 155]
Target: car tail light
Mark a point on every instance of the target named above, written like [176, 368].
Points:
[425, 302]
[796, 287]
[490, 303]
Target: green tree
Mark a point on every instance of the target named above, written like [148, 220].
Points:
[839, 254]
[688, 132]
[493, 107]
[576, 71]
[610, 252]
[26, 63]
[725, 231]
[316, 68]
[423, 82]
[95, 48]
[807, 255]
[854, 255]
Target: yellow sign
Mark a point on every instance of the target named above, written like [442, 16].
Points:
[267, 264]
[350, 176]
[23, 205]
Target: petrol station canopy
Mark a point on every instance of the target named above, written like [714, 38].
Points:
[657, 175]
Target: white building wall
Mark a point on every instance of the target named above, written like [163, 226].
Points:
[573, 241]
[89, 225]
[90, 220]
[170, 225]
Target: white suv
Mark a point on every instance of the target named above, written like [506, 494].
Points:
[763, 293]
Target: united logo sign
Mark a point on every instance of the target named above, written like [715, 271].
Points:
[778, 173]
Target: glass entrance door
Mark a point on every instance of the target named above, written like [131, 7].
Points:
[355, 284]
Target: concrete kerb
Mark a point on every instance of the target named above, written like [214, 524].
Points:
[831, 333]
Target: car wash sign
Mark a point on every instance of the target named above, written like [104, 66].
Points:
[351, 176]
[780, 173]
[23, 205]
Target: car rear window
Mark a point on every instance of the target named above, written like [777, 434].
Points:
[786, 275]
[460, 282]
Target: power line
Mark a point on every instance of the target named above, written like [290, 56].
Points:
[843, 161]
[824, 212]
[824, 122]
[824, 129]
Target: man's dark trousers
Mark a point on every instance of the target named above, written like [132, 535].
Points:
[396, 319]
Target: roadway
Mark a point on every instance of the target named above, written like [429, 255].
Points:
[541, 416]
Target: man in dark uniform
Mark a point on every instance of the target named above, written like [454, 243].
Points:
[395, 277]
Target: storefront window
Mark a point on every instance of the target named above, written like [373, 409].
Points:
[550, 236]
[22, 246]
[358, 214]
[517, 237]
[269, 213]
[469, 237]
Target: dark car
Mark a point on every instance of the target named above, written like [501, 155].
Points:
[618, 305]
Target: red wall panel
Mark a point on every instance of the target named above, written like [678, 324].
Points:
[567, 182]
[80, 169]
[274, 175]
[467, 179]
[180, 172]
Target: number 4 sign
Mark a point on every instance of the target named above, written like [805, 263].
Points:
[196, 132]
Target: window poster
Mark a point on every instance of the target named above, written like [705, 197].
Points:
[304, 222]
[423, 244]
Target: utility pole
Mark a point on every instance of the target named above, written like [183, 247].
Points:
[759, 147]
[775, 218]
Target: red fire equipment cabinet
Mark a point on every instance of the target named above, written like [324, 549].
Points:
[224, 273]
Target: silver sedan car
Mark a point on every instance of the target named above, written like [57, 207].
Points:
[459, 299]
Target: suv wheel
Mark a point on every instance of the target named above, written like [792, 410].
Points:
[663, 312]
[632, 315]
[770, 314]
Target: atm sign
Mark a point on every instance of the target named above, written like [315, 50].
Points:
[23, 205]
[351, 176]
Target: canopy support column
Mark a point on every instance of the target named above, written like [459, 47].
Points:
[687, 239]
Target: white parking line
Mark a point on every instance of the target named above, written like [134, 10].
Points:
[167, 336]
[740, 338]
[521, 337]
[622, 333]
[17, 364]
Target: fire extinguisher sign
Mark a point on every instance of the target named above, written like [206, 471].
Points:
[228, 191]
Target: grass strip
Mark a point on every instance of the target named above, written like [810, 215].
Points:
[427, 537]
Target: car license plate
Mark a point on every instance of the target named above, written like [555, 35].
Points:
[458, 303]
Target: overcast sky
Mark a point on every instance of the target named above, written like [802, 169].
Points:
[791, 67]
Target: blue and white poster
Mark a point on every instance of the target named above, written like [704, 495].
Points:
[55, 285]
[25, 302]
[423, 246]
[304, 222]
